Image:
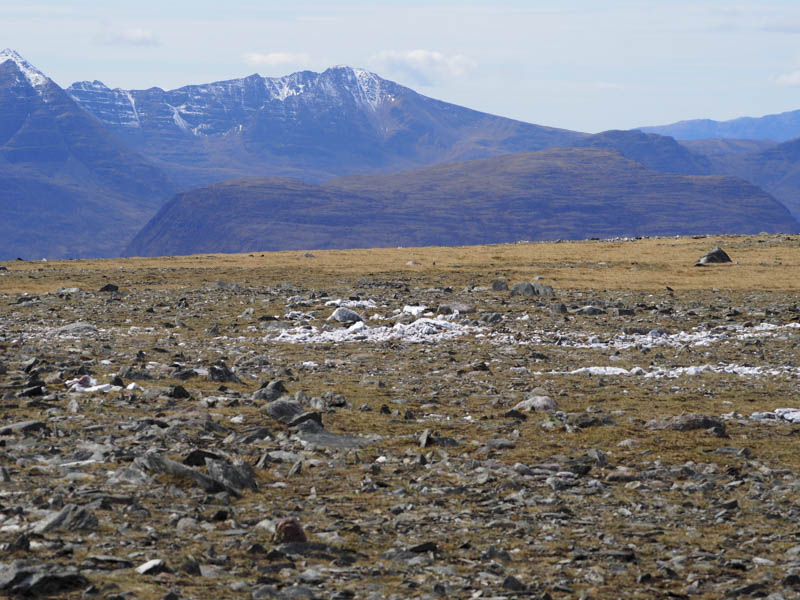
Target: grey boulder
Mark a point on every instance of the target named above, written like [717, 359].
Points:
[717, 255]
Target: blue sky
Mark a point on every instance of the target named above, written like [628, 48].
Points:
[583, 65]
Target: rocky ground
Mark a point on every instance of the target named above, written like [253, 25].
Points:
[403, 430]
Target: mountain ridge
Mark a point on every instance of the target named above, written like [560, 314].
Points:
[560, 193]
[780, 127]
[314, 126]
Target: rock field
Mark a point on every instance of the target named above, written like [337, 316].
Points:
[576, 420]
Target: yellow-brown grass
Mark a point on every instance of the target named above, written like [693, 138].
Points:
[760, 263]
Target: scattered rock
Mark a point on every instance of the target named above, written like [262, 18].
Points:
[154, 462]
[238, 475]
[535, 402]
[221, 372]
[153, 567]
[424, 547]
[270, 391]
[714, 256]
[513, 584]
[524, 289]
[70, 517]
[77, 329]
[24, 579]
[456, 307]
[24, 427]
[688, 422]
[345, 315]
[623, 474]
[590, 310]
[543, 290]
[284, 410]
[499, 285]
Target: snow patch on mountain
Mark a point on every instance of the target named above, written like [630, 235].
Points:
[133, 108]
[179, 121]
[34, 76]
[369, 86]
[116, 106]
[281, 88]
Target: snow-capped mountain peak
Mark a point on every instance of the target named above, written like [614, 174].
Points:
[34, 76]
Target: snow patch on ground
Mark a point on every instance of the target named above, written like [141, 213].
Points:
[655, 338]
[370, 303]
[423, 330]
[779, 414]
[666, 373]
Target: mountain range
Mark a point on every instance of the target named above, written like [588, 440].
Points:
[83, 169]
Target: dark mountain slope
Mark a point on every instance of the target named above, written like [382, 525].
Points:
[773, 167]
[656, 152]
[552, 194]
[69, 187]
[721, 148]
[778, 170]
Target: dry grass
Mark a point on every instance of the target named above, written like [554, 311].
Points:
[760, 263]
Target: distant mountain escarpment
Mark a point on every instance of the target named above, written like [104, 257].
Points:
[570, 193]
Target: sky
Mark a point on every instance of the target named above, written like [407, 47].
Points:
[576, 64]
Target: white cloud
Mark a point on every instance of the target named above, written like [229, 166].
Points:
[424, 67]
[276, 59]
[129, 36]
[788, 79]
